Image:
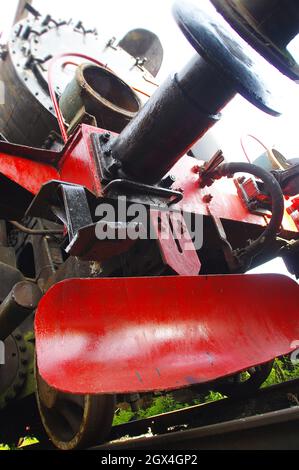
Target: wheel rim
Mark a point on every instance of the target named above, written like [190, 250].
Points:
[74, 421]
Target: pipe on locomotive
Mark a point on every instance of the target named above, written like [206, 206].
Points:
[181, 111]
[277, 203]
[52, 65]
[189, 102]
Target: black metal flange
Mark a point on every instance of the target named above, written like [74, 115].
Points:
[268, 26]
[222, 48]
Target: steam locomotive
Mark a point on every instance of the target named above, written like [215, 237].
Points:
[123, 257]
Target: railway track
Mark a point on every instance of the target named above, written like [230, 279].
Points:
[269, 431]
[267, 418]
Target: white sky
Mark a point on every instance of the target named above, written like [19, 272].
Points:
[116, 17]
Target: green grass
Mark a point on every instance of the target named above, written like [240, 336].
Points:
[282, 371]
[161, 404]
[23, 442]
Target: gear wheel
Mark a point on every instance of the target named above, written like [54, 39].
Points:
[14, 372]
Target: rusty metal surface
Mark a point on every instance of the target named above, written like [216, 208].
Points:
[146, 47]
[101, 94]
[278, 430]
[74, 421]
[161, 333]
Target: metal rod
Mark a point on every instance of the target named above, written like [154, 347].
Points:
[181, 111]
[30, 231]
[17, 306]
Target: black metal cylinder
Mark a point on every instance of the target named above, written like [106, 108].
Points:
[17, 306]
[276, 19]
[184, 107]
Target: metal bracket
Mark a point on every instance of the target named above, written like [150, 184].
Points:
[76, 207]
[251, 195]
[109, 168]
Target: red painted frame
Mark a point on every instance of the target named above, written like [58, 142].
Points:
[31, 168]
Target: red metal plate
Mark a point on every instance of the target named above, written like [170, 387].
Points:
[29, 174]
[177, 249]
[138, 334]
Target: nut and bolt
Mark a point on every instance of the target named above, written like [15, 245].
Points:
[195, 169]
[241, 179]
[207, 198]
[104, 138]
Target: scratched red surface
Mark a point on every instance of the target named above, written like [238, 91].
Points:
[137, 334]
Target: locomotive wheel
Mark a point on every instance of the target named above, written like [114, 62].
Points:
[245, 382]
[74, 421]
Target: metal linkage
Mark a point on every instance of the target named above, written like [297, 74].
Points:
[18, 305]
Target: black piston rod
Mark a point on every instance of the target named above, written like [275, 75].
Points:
[188, 103]
[17, 306]
[268, 25]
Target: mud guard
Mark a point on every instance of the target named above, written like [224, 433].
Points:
[143, 334]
